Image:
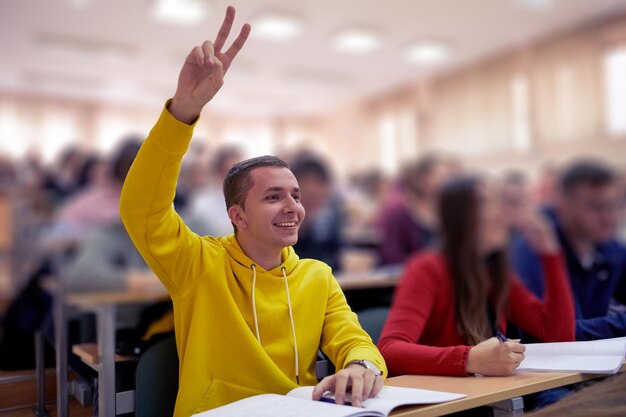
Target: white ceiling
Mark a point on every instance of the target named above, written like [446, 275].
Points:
[112, 50]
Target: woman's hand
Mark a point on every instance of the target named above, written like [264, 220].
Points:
[495, 358]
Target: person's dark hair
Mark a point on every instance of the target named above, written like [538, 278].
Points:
[586, 172]
[124, 156]
[414, 173]
[86, 170]
[602, 399]
[222, 157]
[238, 182]
[476, 281]
[311, 166]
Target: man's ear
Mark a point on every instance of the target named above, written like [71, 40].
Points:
[237, 216]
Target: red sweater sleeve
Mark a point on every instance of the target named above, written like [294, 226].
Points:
[552, 320]
[412, 309]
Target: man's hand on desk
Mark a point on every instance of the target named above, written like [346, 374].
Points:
[361, 382]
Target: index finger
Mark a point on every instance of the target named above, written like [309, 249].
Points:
[326, 384]
[224, 31]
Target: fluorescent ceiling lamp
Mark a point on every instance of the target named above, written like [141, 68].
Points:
[183, 12]
[356, 41]
[79, 4]
[276, 27]
[428, 52]
[536, 5]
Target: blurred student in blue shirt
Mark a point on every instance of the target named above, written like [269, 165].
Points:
[585, 215]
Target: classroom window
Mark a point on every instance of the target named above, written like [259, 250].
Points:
[615, 90]
[521, 113]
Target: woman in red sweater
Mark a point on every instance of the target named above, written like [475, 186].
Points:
[452, 302]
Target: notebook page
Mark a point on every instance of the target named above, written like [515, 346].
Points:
[600, 356]
[391, 397]
[273, 405]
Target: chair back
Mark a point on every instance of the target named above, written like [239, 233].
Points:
[157, 380]
[373, 320]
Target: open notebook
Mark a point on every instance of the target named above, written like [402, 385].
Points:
[298, 402]
[594, 357]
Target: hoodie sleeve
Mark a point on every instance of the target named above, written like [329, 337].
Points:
[343, 339]
[168, 246]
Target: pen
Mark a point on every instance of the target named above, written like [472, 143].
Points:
[501, 337]
[332, 401]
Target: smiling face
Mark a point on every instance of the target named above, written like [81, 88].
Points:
[272, 213]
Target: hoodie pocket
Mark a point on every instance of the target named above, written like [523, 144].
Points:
[224, 392]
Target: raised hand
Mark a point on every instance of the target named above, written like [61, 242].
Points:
[495, 358]
[202, 74]
[539, 233]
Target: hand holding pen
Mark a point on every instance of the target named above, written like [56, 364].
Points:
[495, 356]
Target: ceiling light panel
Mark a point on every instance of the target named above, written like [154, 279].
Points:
[278, 27]
[180, 12]
[428, 52]
[357, 41]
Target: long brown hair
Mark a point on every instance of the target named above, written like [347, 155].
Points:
[476, 281]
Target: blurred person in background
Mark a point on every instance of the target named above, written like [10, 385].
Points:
[407, 222]
[545, 188]
[363, 200]
[471, 273]
[585, 216]
[194, 175]
[319, 236]
[61, 181]
[94, 208]
[93, 172]
[516, 199]
[206, 213]
[97, 203]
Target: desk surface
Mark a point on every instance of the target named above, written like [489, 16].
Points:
[142, 288]
[482, 390]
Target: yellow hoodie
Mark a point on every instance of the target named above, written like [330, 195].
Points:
[215, 302]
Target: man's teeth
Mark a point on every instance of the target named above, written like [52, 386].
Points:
[287, 224]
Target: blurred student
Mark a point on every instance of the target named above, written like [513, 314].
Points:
[585, 218]
[97, 203]
[250, 316]
[205, 213]
[408, 222]
[451, 302]
[319, 236]
[516, 200]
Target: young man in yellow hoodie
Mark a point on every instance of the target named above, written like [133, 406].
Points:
[249, 315]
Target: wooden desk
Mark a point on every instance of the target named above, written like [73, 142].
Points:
[482, 390]
[142, 288]
[378, 278]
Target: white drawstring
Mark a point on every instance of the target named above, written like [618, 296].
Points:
[293, 327]
[256, 320]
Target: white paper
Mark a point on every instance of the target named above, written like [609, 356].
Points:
[273, 405]
[391, 397]
[598, 356]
